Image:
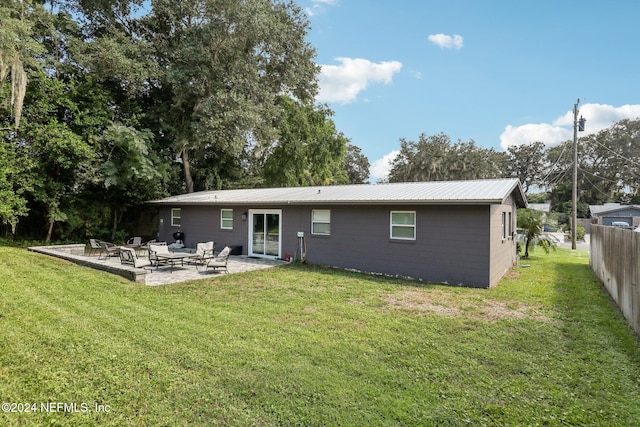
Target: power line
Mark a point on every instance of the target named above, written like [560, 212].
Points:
[597, 176]
[616, 153]
[594, 186]
[564, 147]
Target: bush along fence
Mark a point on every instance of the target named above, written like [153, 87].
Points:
[615, 260]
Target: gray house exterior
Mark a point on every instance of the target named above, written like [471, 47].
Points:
[615, 212]
[455, 232]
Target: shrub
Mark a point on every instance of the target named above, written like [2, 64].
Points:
[580, 231]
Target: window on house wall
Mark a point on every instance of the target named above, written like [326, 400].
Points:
[176, 217]
[403, 225]
[510, 225]
[504, 225]
[321, 221]
[226, 219]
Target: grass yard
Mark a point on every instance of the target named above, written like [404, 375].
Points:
[298, 345]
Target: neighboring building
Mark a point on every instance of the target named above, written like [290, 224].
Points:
[455, 232]
[545, 208]
[541, 207]
[609, 213]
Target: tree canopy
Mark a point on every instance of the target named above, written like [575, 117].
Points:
[308, 150]
[106, 104]
[436, 158]
[608, 166]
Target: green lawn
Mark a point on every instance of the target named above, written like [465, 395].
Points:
[298, 345]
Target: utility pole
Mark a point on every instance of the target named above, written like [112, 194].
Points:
[577, 125]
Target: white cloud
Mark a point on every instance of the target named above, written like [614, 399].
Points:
[381, 167]
[342, 83]
[598, 116]
[447, 42]
[544, 132]
[317, 6]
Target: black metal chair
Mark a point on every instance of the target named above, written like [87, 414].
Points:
[94, 247]
[109, 249]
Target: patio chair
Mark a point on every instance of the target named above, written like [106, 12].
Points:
[220, 260]
[204, 252]
[154, 250]
[109, 249]
[94, 247]
[144, 246]
[134, 242]
[128, 256]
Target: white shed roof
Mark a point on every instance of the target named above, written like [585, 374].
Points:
[490, 191]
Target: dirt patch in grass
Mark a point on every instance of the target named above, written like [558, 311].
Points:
[513, 274]
[433, 301]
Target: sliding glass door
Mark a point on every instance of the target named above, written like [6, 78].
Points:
[265, 226]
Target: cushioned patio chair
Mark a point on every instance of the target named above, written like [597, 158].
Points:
[204, 252]
[135, 243]
[128, 256]
[220, 260]
[145, 245]
[155, 249]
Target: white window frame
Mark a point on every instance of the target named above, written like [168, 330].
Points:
[412, 226]
[174, 217]
[252, 213]
[511, 225]
[223, 219]
[314, 221]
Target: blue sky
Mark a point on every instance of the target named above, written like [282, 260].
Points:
[498, 72]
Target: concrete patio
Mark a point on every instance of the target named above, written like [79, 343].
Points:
[152, 276]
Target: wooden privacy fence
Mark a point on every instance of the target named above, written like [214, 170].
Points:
[615, 260]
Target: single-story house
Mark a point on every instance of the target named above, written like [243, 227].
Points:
[455, 232]
[615, 212]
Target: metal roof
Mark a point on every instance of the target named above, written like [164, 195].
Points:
[609, 208]
[542, 207]
[490, 191]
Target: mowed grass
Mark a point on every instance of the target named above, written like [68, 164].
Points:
[301, 345]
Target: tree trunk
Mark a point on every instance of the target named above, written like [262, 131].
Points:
[49, 232]
[115, 224]
[186, 169]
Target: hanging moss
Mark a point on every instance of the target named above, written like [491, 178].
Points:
[18, 88]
